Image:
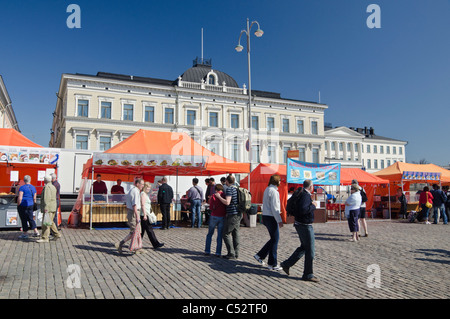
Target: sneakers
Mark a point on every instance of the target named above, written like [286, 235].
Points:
[258, 259]
[276, 267]
[23, 236]
[312, 279]
[42, 240]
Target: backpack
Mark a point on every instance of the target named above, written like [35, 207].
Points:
[363, 196]
[292, 203]
[244, 200]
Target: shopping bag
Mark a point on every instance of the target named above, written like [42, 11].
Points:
[152, 218]
[136, 240]
[47, 221]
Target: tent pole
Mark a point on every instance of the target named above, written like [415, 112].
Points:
[92, 198]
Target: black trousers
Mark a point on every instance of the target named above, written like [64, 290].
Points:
[147, 227]
[165, 211]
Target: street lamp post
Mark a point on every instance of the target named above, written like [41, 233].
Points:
[239, 48]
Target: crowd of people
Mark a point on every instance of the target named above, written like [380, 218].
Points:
[223, 215]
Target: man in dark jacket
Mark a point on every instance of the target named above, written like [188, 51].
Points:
[165, 196]
[439, 199]
[304, 219]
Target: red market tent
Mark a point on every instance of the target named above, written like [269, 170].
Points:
[259, 178]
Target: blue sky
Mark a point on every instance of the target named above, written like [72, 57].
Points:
[395, 79]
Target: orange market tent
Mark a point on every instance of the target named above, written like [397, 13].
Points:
[259, 179]
[394, 173]
[153, 153]
[141, 153]
[18, 153]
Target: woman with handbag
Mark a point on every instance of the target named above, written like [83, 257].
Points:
[26, 203]
[426, 202]
[148, 217]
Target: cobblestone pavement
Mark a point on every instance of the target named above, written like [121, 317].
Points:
[413, 261]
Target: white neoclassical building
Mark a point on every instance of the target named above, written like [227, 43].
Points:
[362, 148]
[95, 112]
[7, 115]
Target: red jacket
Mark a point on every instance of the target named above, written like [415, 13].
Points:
[423, 198]
[216, 206]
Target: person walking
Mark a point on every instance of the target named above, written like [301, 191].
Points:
[304, 218]
[58, 197]
[195, 196]
[146, 226]
[26, 200]
[272, 220]
[352, 210]
[218, 213]
[439, 199]
[133, 202]
[231, 230]
[165, 197]
[48, 207]
[362, 209]
[426, 202]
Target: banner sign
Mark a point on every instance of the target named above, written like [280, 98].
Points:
[421, 176]
[148, 160]
[320, 174]
[16, 154]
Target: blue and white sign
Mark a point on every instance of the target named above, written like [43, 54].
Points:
[320, 174]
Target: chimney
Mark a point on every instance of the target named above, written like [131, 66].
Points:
[371, 131]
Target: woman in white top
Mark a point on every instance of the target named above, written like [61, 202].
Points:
[352, 209]
[272, 220]
[145, 213]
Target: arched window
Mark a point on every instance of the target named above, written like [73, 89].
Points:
[212, 79]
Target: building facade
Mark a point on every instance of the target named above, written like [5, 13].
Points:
[7, 115]
[95, 112]
[362, 148]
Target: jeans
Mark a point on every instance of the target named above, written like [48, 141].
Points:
[425, 211]
[215, 221]
[440, 209]
[306, 236]
[196, 205]
[270, 248]
[26, 217]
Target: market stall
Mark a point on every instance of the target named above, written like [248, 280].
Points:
[260, 177]
[148, 154]
[20, 157]
[402, 175]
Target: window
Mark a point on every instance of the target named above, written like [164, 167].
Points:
[128, 112]
[375, 149]
[211, 79]
[190, 119]
[255, 154]
[300, 127]
[315, 155]
[168, 115]
[333, 146]
[149, 114]
[388, 162]
[214, 119]
[314, 129]
[255, 123]
[83, 108]
[285, 151]
[394, 150]
[388, 150]
[286, 125]
[82, 142]
[381, 149]
[400, 150]
[105, 143]
[382, 164]
[105, 110]
[271, 154]
[341, 147]
[235, 154]
[368, 148]
[349, 147]
[270, 124]
[234, 120]
[357, 148]
[369, 165]
[301, 154]
[214, 147]
[375, 164]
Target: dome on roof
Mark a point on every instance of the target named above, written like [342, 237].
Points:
[200, 71]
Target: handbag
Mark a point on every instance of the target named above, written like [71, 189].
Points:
[151, 218]
[47, 220]
[428, 204]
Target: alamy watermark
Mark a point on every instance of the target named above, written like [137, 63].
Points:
[74, 278]
[374, 279]
[74, 19]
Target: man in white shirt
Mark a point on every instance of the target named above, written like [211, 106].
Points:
[133, 202]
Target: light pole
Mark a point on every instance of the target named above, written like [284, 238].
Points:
[239, 48]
